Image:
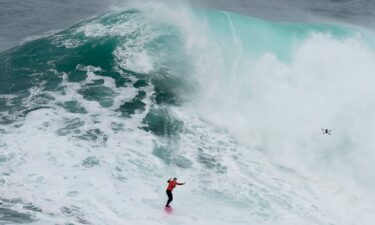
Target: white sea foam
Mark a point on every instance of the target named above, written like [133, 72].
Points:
[251, 134]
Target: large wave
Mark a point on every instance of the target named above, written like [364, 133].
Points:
[95, 118]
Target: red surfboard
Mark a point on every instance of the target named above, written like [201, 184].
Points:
[168, 210]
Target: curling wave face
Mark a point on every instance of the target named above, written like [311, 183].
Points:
[95, 119]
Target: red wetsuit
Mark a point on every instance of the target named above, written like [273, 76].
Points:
[172, 184]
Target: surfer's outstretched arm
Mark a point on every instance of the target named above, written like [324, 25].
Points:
[180, 183]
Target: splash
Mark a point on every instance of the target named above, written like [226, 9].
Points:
[95, 118]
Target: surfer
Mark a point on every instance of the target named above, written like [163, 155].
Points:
[326, 131]
[171, 185]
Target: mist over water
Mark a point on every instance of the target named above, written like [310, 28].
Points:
[95, 118]
[353, 11]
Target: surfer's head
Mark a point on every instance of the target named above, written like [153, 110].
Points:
[175, 178]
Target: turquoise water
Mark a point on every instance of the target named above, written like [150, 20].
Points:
[258, 36]
[42, 62]
[96, 117]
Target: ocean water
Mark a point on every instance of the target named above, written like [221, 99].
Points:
[229, 97]
[23, 20]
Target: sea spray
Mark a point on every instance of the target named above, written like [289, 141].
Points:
[95, 119]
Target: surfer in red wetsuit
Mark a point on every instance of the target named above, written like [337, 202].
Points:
[171, 185]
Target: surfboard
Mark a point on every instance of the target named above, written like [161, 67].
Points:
[168, 210]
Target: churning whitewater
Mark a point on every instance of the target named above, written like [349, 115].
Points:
[96, 118]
